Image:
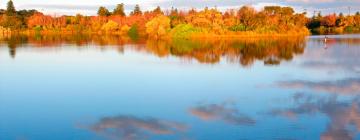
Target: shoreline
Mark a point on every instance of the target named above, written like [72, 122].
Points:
[232, 35]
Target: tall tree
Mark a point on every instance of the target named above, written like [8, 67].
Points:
[103, 11]
[10, 9]
[157, 10]
[329, 20]
[119, 10]
[136, 11]
[246, 16]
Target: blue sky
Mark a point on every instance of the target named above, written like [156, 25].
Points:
[89, 7]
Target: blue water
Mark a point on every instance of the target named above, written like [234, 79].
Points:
[97, 92]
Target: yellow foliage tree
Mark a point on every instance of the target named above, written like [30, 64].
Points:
[110, 26]
[158, 27]
[210, 19]
[124, 29]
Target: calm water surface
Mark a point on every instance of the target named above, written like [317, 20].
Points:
[95, 88]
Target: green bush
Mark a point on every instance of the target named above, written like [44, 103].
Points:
[37, 28]
[183, 31]
[349, 29]
[133, 32]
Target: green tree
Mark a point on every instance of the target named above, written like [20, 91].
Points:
[136, 11]
[10, 9]
[133, 32]
[119, 10]
[103, 11]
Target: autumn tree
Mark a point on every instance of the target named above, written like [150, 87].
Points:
[10, 9]
[272, 10]
[229, 18]
[11, 22]
[103, 11]
[96, 22]
[207, 18]
[157, 11]
[158, 27]
[329, 20]
[176, 17]
[341, 20]
[246, 16]
[10, 19]
[124, 29]
[300, 20]
[110, 26]
[136, 10]
[356, 22]
[39, 19]
[119, 10]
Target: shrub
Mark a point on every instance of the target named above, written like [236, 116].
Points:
[183, 31]
[349, 29]
[37, 28]
[237, 28]
[133, 32]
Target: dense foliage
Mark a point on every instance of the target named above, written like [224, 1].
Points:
[335, 24]
[182, 24]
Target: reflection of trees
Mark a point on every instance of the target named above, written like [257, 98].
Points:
[135, 128]
[13, 42]
[244, 51]
[12, 47]
[271, 51]
[344, 115]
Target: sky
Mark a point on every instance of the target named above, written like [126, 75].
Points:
[89, 7]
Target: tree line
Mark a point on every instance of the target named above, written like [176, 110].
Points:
[160, 23]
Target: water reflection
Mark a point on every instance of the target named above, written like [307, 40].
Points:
[341, 55]
[135, 128]
[55, 82]
[226, 112]
[344, 115]
[348, 86]
[13, 42]
[244, 51]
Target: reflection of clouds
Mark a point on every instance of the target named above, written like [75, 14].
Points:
[346, 86]
[341, 56]
[133, 128]
[224, 112]
[344, 116]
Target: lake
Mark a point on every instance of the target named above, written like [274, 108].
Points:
[78, 87]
